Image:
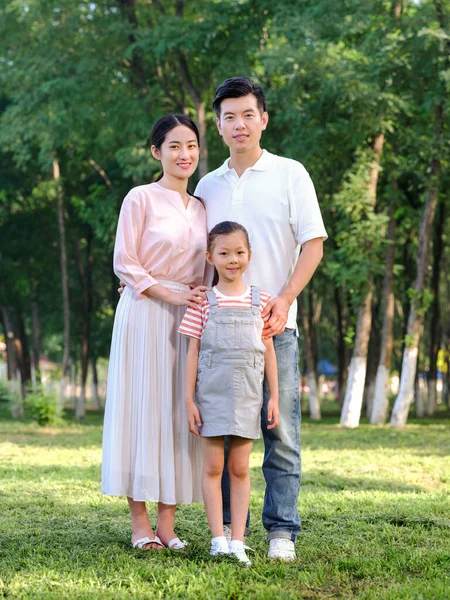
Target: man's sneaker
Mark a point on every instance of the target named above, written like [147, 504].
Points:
[227, 533]
[237, 549]
[282, 549]
[219, 545]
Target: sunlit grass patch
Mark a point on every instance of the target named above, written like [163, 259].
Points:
[374, 506]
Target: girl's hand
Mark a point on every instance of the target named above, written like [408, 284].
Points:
[193, 417]
[193, 298]
[273, 414]
[121, 287]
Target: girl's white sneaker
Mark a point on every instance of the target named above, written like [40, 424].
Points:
[237, 549]
[219, 545]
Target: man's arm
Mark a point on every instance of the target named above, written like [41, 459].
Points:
[278, 308]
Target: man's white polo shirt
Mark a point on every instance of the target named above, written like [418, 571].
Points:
[276, 202]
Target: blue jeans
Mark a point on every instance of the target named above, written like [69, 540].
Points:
[282, 462]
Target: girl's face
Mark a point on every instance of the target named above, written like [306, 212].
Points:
[179, 153]
[230, 255]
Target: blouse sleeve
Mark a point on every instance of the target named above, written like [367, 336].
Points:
[128, 237]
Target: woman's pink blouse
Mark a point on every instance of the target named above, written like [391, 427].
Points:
[159, 239]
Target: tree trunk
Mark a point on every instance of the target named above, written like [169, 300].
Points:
[314, 311]
[199, 104]
[372, 355]
[415, 319]
[14, 360]
[381, 397]
[135, 64]
[314, 400]
[64, 281]
[446, 374]
[201, 121]
[36, 333]
[351, 411]
[342, 350]
[11, 355]
[419, 397]
[25, 363]
[85, 276]
[95, 396]
[431, 404]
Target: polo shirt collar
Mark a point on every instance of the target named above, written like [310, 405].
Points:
[262, 164]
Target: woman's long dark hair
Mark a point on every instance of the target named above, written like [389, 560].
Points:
[165, 124]
[225, 228]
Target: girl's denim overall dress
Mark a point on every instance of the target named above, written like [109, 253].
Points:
[231, 370]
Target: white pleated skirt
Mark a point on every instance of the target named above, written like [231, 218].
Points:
[148, 452]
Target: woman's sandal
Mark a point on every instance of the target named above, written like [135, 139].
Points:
[177, 545]
[146, 540]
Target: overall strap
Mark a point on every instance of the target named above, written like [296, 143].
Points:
[213, 304]
[256, 297]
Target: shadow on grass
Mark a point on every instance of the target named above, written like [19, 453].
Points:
[423, 438]
[61, 473]
[322, 481]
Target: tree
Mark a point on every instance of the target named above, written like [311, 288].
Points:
[437, 44]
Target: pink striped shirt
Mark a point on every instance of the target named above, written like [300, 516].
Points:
[194, 320]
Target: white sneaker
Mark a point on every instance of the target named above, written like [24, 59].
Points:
[219, 545]
[227, 533]
[237, 549]
[282, 549]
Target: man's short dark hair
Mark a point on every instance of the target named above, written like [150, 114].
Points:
[236, 87]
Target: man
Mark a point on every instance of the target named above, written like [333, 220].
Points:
[274, 198]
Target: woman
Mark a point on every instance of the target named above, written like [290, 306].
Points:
[148, 453]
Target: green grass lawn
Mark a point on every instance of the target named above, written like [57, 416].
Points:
[374, 506]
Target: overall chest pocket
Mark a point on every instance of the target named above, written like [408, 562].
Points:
[226, 333]
[235, 333]
[245, 333]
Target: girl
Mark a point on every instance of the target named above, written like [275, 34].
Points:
[224, 374]
[160, 254]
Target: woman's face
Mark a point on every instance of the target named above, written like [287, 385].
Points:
[179, 153]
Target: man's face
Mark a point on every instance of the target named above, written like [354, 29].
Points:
[241, 123]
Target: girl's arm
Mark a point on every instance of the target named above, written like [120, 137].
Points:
[271, 371]
[193, 416]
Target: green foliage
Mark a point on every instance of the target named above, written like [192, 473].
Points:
[4, 392]
[421, 302]
[41, 406]
[84, 82]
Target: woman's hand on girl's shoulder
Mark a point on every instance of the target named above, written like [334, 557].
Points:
[193, 298]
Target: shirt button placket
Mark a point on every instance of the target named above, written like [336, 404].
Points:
[237, 198]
